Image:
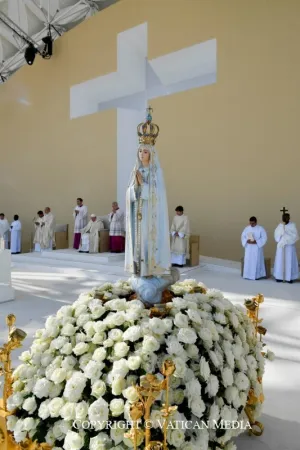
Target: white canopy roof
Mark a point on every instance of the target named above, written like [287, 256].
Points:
[33, 17]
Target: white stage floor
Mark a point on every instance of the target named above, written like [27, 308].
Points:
[44, 283]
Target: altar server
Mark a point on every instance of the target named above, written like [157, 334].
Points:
[15, 235]
[39, 235]
[180, 232]
[80, 215]
[90, 236]
[254, 238]
[4, 229]
[286, 261]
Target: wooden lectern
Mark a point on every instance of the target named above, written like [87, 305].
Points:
[61, 237]
[103, 241]
[194, 250]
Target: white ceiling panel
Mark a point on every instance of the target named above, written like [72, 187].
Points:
[31, 19]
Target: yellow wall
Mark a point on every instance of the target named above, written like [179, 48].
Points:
[229, 150]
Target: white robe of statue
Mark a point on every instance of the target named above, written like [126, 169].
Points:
[4, 230]
[49, 231]
[180, 243]
[15, 236]
[90, 236]
[286, 261]
[147, 223]
[81, 219]
[254, 261]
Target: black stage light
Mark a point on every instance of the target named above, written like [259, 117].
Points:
[48, 49]
[29, 54]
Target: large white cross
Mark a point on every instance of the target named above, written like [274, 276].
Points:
[136, 81]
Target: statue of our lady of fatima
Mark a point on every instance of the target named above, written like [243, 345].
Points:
[147, 223]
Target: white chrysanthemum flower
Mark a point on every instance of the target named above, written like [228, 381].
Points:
[231, 394]
[81, 348]
[134, 362]
[101, 441]
[73, 441]
[204, 369]
[58, 376]
[241, 381]
[150, 344]
[116, 407]
[130, 394]
[181, 320]
[75, 386]
[42, 387]
[116, 335]
[81, 410]
[175, 437]
[192, 351]
[68, 411]
[121, 349]
[30, 405]
[212, 386]
[227, 376]
[187, 336]
[270, 355]
[98, 413]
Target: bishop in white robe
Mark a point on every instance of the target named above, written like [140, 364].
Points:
[117, 229]
[80, 215]
[254, 238]
[49, 229]
[15, 235]
[90, 236]
[180, 232]
[286, 262]
[4, 229]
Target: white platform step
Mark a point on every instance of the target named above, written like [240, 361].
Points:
[71, 255]
[74, 255]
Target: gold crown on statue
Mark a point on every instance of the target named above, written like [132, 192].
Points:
[148, 131]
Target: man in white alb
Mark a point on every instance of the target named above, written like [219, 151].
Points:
[49, 228]
[15, 235]
[90, 236]
[180, 232]
[286, 261]
[39, 235]
[80, 215]
[254, 238]
[4, 229]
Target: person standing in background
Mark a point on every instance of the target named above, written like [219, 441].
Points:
[80, 215]
[15, 235]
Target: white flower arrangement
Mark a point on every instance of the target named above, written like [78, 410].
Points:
[84, 365]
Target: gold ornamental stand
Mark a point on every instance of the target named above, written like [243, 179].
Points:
[253, 305]
[14, 340]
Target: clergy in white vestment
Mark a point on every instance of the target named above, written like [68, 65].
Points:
[117, 229]
[80, 215]
[40, 241]
[90, 235]
[4, 229]
[286, 261]
[49, 228]
[15, 235]
[180, 232]
[254, 238]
